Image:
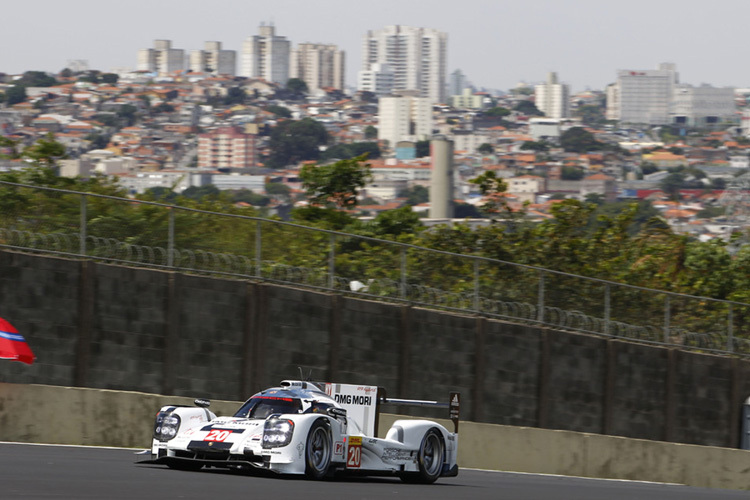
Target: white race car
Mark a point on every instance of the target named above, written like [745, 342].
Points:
[316, 429]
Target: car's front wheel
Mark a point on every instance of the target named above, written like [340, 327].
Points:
[318, 451]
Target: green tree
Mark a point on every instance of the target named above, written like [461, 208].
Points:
[497, 111]
[539, 146]
[486, 148]
[297, 86]
[15, 94]
[97, 140]
[422, 148]
[491, 187]
[279, 111]
[110, 78]
[337, 184]
[278, 189]
[527, 108]
[295, 141]
[164, 108]
[672, 184]
[571, 174]
[579, 140]
[371, 132]
[415, 195]
[128, 114]
[591, 114]
[36, 79]
[235, 95]
[345, 151]
[648, 168]
[45, 151]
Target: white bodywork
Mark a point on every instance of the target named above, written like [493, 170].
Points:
[204, 439]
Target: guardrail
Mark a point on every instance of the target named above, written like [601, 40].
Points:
[134, 232]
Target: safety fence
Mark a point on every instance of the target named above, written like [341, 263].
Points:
[141, 233]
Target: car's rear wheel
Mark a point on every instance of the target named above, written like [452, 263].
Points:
[318, 451]
[429, 460]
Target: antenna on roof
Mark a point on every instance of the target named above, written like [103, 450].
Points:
[302, 375]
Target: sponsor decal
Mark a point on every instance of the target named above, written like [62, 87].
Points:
[392, 454]
[338, 448]
[300, 449]
[349, 399]
[354, 453]
[219, 435]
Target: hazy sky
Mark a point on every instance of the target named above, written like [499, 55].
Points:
[496, 43]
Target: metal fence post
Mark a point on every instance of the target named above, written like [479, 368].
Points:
[170, 244]
[258, 249]
[540, 301]
[730, 330]
[403, 272]
[607, 310]
[332, 262]
[476, 285]
[83, 228]
[666, 320]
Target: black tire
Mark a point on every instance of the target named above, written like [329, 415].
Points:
[429, 459]
[318, 451]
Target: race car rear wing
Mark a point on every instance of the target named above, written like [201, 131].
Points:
[362, 402]
[453, 404]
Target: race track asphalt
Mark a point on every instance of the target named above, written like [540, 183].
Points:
[65, 472]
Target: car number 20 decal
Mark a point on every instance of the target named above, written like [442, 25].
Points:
[354, 452]
[217, 435]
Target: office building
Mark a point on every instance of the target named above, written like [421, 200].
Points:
[417, 57]
[212, 59]
[703, 107]
[318, 65]
[266, 56]
[642, 96]
[553, 98]
[162, 59]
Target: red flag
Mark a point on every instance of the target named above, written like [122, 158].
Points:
[13, 345]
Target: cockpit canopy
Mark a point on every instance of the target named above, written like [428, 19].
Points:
[263, 406]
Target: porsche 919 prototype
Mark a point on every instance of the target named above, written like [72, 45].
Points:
[315, 429]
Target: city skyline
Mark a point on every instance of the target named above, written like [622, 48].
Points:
[495, 43]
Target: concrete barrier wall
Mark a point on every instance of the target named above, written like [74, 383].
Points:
[65, 415]
[112, 327]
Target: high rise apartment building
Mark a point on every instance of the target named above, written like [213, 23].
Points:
[417, 57]
[212, 59]
[318, 65]
[266, 56]
[642, 96]
[162, 59]
[227, 147]
[553, 98]
[378, 79]
[404, 118]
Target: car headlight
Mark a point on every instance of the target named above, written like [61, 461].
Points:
[277, 432]
[167, 425]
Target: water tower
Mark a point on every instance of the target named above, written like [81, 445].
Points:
[441, 182]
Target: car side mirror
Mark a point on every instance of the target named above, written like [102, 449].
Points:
[202, 403]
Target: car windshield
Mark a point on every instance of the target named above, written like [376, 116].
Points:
[263, 406]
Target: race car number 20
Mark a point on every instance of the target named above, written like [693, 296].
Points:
[354, 452]
[217, 435]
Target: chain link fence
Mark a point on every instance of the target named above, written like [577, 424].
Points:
[140, 233]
